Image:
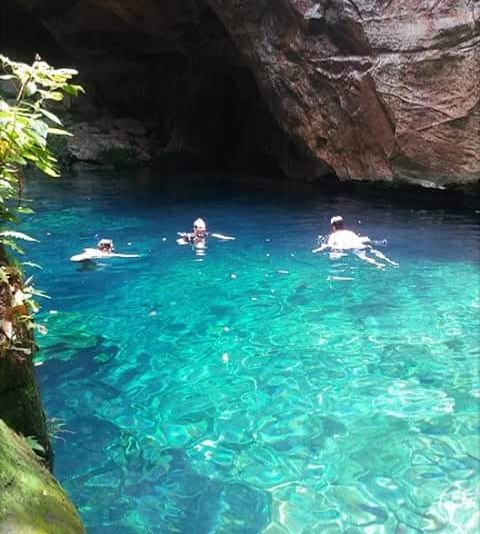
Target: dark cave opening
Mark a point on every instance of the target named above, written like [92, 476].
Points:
[185, 81]
[22, 36]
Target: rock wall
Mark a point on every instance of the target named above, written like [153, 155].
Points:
[170, 65]
[366, 89]
[377, 89]
[31, 501]
[20, 404]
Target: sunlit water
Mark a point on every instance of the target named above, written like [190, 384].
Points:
[259, 388]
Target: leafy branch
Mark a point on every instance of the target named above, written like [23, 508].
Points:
[26, 123]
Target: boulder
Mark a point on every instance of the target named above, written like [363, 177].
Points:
[31, 501]
[131, 126]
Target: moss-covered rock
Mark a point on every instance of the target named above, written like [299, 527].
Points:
[20, 404]
[31, 501]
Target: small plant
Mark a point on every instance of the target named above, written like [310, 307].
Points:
[26, 127]
[34, 445]
[55, 427]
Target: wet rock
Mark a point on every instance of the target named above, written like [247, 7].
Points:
[109, 141]
[31, 501]
[20, 405]
[131, 126]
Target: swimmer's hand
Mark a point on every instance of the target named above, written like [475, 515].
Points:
[320, 248]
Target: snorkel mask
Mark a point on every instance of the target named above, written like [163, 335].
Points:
[106, 244]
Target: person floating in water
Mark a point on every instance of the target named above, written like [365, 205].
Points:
[341, 240]
[105, 249]
[198, 237]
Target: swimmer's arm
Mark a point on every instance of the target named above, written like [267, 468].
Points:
[367, 241]
[184, 238]
[320, 248]
[115, 255]
[223, 237]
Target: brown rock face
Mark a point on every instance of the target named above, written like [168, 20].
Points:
[377, 89]
[20, 404]
[368, 89]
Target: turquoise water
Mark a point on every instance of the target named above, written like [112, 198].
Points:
[259, 388]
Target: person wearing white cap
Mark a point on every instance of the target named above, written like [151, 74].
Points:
[341, 240]
[198, 238]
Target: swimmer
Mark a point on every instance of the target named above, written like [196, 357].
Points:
[340, 240]
[105, 249]
[198, 237]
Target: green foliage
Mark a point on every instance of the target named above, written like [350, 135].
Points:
[27, 127]
[33, 443]
[26, 123]
[55, 427]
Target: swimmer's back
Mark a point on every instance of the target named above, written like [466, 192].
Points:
[345, 240]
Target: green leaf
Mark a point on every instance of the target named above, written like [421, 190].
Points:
[41, 127]
[34, 445]
[30, 88]
[54, 95]
[51, 116]
[32, 265]
[10, 243]
[38, 293]
[68, 72]
[57, 131]
[18, 235]
[24, 210]
[73, 90]
[47, 169]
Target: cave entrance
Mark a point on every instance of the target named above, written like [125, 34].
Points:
[173, 67]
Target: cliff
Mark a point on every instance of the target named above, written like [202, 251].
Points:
[20, 404]
[31, 501]
[364, 89]
[383, 90]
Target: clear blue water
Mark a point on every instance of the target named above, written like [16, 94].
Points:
[259, 388]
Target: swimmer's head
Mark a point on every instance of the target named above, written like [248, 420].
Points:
[337, 222]
[105, 245]
[199, 225]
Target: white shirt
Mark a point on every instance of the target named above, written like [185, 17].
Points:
[346, 240]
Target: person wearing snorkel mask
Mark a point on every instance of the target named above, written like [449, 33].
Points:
[198, 237]
[106, 246]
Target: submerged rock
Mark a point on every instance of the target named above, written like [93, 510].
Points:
[31, 501]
